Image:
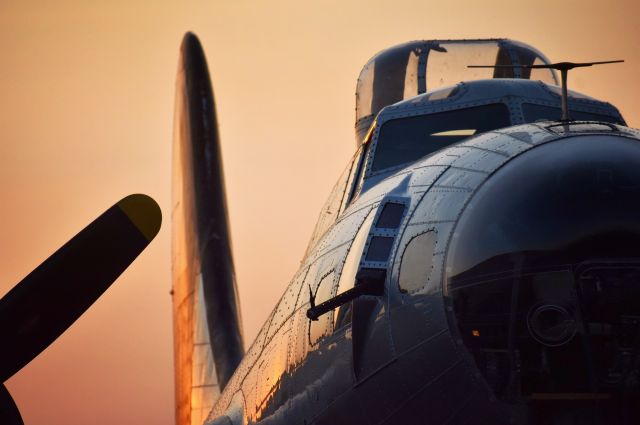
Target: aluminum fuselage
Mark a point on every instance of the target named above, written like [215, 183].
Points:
[400, 359]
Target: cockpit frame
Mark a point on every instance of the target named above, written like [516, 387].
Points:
[513, 93]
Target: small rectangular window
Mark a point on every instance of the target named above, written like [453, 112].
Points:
[391, 216]
[379, 248]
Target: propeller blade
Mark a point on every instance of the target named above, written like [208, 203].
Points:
[9, 413]
[46, 302]
[206, 312]
[200, 215]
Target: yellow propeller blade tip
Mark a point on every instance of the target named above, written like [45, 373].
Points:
[143, 212]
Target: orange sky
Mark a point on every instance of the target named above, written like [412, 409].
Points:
[86, 118]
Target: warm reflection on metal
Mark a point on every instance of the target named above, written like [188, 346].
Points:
[208, 340]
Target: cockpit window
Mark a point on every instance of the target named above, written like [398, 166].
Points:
[533, 113]
[408, 139]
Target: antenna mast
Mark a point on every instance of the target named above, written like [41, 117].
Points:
[563, 67]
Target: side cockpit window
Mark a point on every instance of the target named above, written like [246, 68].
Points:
[341, 195]
[405, 140]
[533, 113]
[332, 207]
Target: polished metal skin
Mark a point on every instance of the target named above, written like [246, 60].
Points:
[402, 359]
[424, 295]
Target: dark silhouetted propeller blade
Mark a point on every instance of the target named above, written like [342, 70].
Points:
[9, 413]
[46, 302]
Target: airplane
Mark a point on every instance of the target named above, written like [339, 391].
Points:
[474, 264]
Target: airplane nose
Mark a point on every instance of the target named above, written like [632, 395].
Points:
[543, 278]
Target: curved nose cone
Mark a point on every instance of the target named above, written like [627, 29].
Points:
[544, 281]
[580, 195]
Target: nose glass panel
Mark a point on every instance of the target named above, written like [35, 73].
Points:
[545, 281]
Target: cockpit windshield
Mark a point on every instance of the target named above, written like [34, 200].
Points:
[406, 140]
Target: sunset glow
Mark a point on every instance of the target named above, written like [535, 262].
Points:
[86, 117]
